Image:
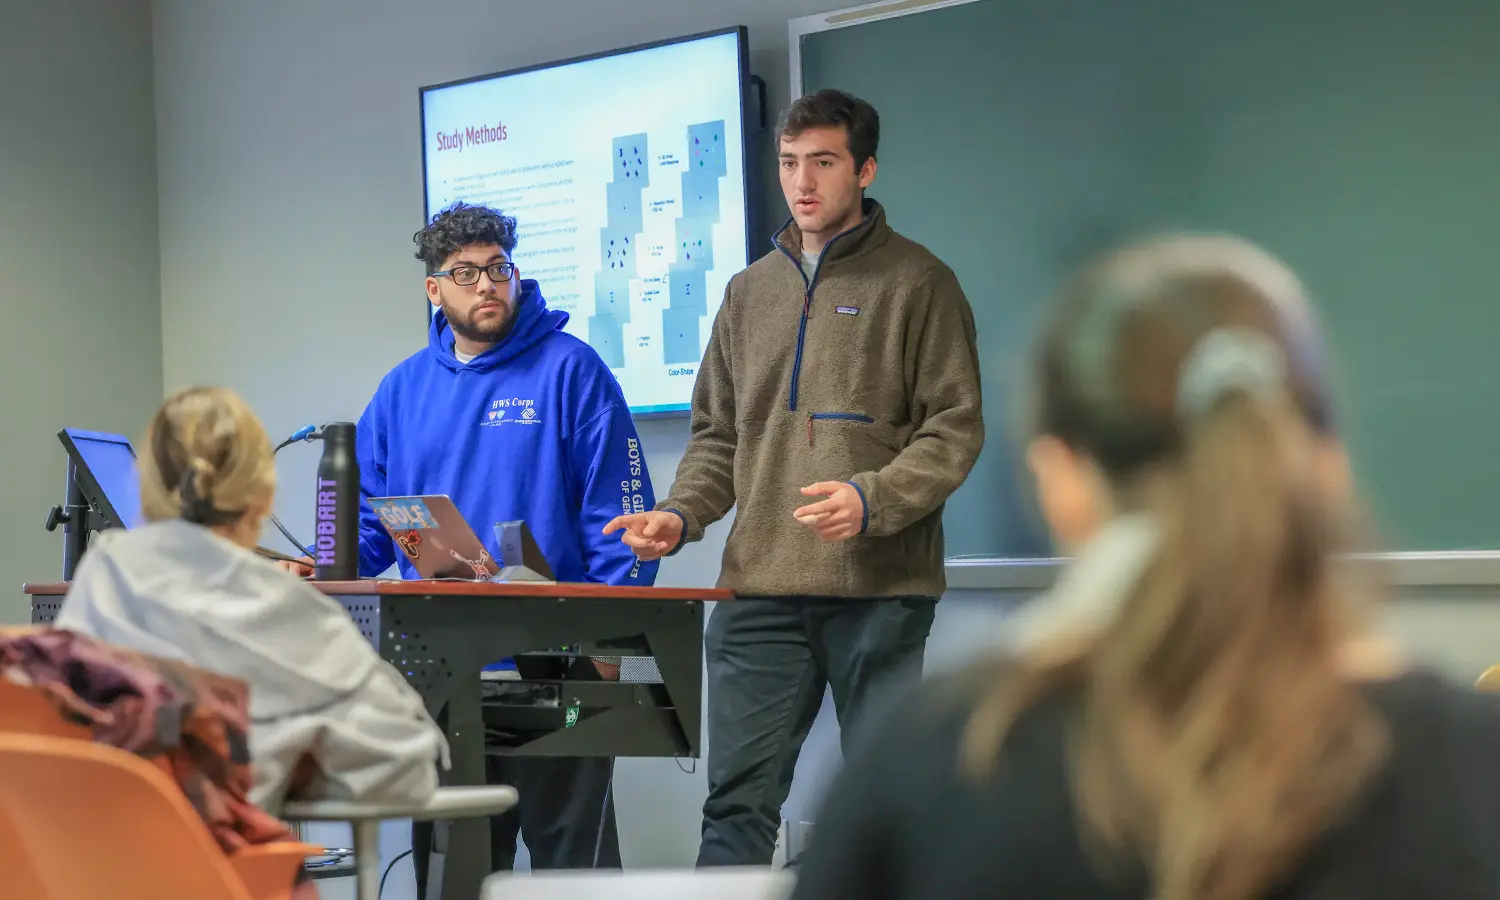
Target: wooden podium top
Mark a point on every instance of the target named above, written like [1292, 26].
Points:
[402, 588]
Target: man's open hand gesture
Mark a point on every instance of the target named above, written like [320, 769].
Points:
[651, 535]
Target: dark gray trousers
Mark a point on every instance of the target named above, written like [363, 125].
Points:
[769, 662]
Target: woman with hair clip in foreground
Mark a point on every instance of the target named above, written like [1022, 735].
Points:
[1202, 708]
[329, 717]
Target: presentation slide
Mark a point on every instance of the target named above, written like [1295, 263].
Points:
[626, 176]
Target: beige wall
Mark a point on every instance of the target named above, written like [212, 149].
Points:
[80, 315]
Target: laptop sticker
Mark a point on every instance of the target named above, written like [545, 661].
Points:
[403, 513]
[411, 543]
[481, 566]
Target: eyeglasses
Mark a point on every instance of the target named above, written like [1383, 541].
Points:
[499, 273]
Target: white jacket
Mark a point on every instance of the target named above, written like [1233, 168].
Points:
[177, 590]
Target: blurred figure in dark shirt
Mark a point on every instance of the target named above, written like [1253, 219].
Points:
[1201, 709]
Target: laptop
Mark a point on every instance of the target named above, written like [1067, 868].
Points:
[439, 543]
[434, 536]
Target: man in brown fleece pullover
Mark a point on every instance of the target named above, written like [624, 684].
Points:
[837, 408]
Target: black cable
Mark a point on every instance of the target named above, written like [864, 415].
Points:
[391, 865]
[301, 548]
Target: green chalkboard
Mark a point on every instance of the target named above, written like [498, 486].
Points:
[1359, 141]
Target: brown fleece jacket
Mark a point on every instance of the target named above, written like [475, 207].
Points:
[868, 375]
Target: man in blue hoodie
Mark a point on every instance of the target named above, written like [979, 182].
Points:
[513, 418]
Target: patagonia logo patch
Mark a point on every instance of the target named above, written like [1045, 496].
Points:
[846, 310]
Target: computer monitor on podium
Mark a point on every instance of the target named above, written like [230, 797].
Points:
[103, 491]
[104, 466]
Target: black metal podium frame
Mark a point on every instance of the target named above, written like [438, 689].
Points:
[440, 634]
[441, 641]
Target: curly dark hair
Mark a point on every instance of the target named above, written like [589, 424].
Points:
[462, 225]
[835, 109]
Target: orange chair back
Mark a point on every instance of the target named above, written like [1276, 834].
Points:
[24, 710]
[21, 879]
[91, 820]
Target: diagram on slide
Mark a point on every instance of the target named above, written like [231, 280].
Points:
[617, 249]
[677, 326]
[618, 241]
[695, 247]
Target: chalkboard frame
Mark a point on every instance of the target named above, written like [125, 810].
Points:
[864, 14]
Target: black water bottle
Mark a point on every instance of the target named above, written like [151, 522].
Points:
[336, 552]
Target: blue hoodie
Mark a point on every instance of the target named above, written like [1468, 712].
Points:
[535, 428]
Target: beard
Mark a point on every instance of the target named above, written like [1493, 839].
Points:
[490, 332]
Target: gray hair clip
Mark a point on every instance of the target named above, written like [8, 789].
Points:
[1225, 360]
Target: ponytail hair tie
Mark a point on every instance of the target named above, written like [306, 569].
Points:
[1225, 360]
[199, 508]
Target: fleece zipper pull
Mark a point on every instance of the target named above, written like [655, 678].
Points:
[809, 429]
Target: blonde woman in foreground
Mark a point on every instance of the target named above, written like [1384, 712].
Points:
[329, 718]
[1201, 709]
